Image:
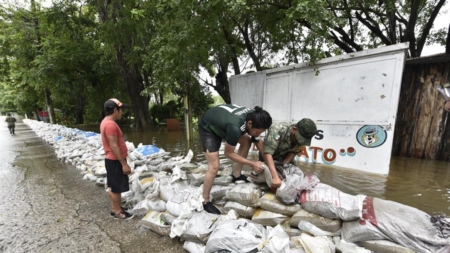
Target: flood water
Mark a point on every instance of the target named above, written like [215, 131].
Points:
[423, 184]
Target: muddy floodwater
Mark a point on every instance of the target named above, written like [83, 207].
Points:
[46, 206]
[423, 184]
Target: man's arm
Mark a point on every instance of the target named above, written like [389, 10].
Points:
[114, 145]
[289, 157]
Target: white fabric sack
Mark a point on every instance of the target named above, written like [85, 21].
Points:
[267, 218]
[236, 236]
[389, 220]
[243, 211]
[385, 246]
[310, 228]
[245, 194]
[331, 203]
[277, 241]
[193, 247]
[312, 244]
[270, 202]
[168, 189]
[153, 222]
[317, 220]
[189, 199]
[199, 227]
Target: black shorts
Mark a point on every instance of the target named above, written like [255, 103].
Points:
[210, 141]
[117, 181]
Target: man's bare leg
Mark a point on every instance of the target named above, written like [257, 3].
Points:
[211, 173]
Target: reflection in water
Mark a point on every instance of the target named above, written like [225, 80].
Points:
[423, 184]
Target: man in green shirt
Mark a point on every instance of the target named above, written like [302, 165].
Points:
[235, 124]
[11, 123]
[283, 142]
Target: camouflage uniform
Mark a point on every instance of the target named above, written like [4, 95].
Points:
[279, 140]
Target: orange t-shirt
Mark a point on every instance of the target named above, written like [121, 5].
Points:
[110, 127]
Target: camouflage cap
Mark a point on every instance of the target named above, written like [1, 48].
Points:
[306, 129]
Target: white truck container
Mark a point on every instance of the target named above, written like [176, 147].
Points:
[353, 100]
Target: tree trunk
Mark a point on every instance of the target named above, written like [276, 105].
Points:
[134, 85]
[49, 103]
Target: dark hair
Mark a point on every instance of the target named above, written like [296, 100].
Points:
[260, 118]
[110, 110]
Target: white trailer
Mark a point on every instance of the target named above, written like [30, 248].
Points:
[353, 100]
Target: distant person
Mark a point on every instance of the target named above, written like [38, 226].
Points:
[117, 168]
[235, 124]
[283, 142]
[11, 123]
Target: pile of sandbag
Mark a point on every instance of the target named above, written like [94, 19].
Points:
[303, 215]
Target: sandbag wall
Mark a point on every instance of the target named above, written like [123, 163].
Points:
[166, 193]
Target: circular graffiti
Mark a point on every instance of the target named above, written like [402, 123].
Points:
[371, 136]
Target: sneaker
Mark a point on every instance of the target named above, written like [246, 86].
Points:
[123, 215]
[123, 209]
[240, 178]
[210, 208]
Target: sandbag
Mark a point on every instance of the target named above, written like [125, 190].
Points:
[245, 194]
[167, 189]
[314, 244]
[154, 222]
[385, 246]
[276, 241]
[193, 247]
[317, 220]
[267, 218]
[270, 202]
[291, 187]
[236, 236]
[331, 203]
[243, 211]
[199, 227]
[187, 199]
[389, 220]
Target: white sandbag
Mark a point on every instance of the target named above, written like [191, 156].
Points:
[235, 236]
[193, 247]
[317, 220]
[270, 202]
[310, 228]
[331, 203]
[199, 227]
[315, 244]
[146, 205]
[153, 222]
[219, 191]
[343, 246]
[168, 190]
[292, 232]
[243, 211]
[245, 194]
[405, 225]
[222, 180]
[146, 183]
[267, 218]
[277, 241]
[293, 185]
[90, 177]
[188, 199]
[385, 246]
[167, 217]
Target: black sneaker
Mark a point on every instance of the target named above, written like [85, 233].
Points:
[210, 208]
[240, 178]
[123, 209]
[123, 215]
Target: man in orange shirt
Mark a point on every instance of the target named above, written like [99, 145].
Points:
[117, 168]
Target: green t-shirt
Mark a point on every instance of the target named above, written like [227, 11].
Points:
[227, 121]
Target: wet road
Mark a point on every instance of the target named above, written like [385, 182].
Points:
[46, 206]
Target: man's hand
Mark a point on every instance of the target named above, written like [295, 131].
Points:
[258, 167]
[276, 182]
[126, 169]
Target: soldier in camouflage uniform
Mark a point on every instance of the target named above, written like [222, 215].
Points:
[283, 142]
[11, 124]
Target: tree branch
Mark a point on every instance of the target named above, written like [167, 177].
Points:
[427, 28]
[373, 29]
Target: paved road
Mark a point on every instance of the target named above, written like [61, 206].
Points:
[46, 206]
